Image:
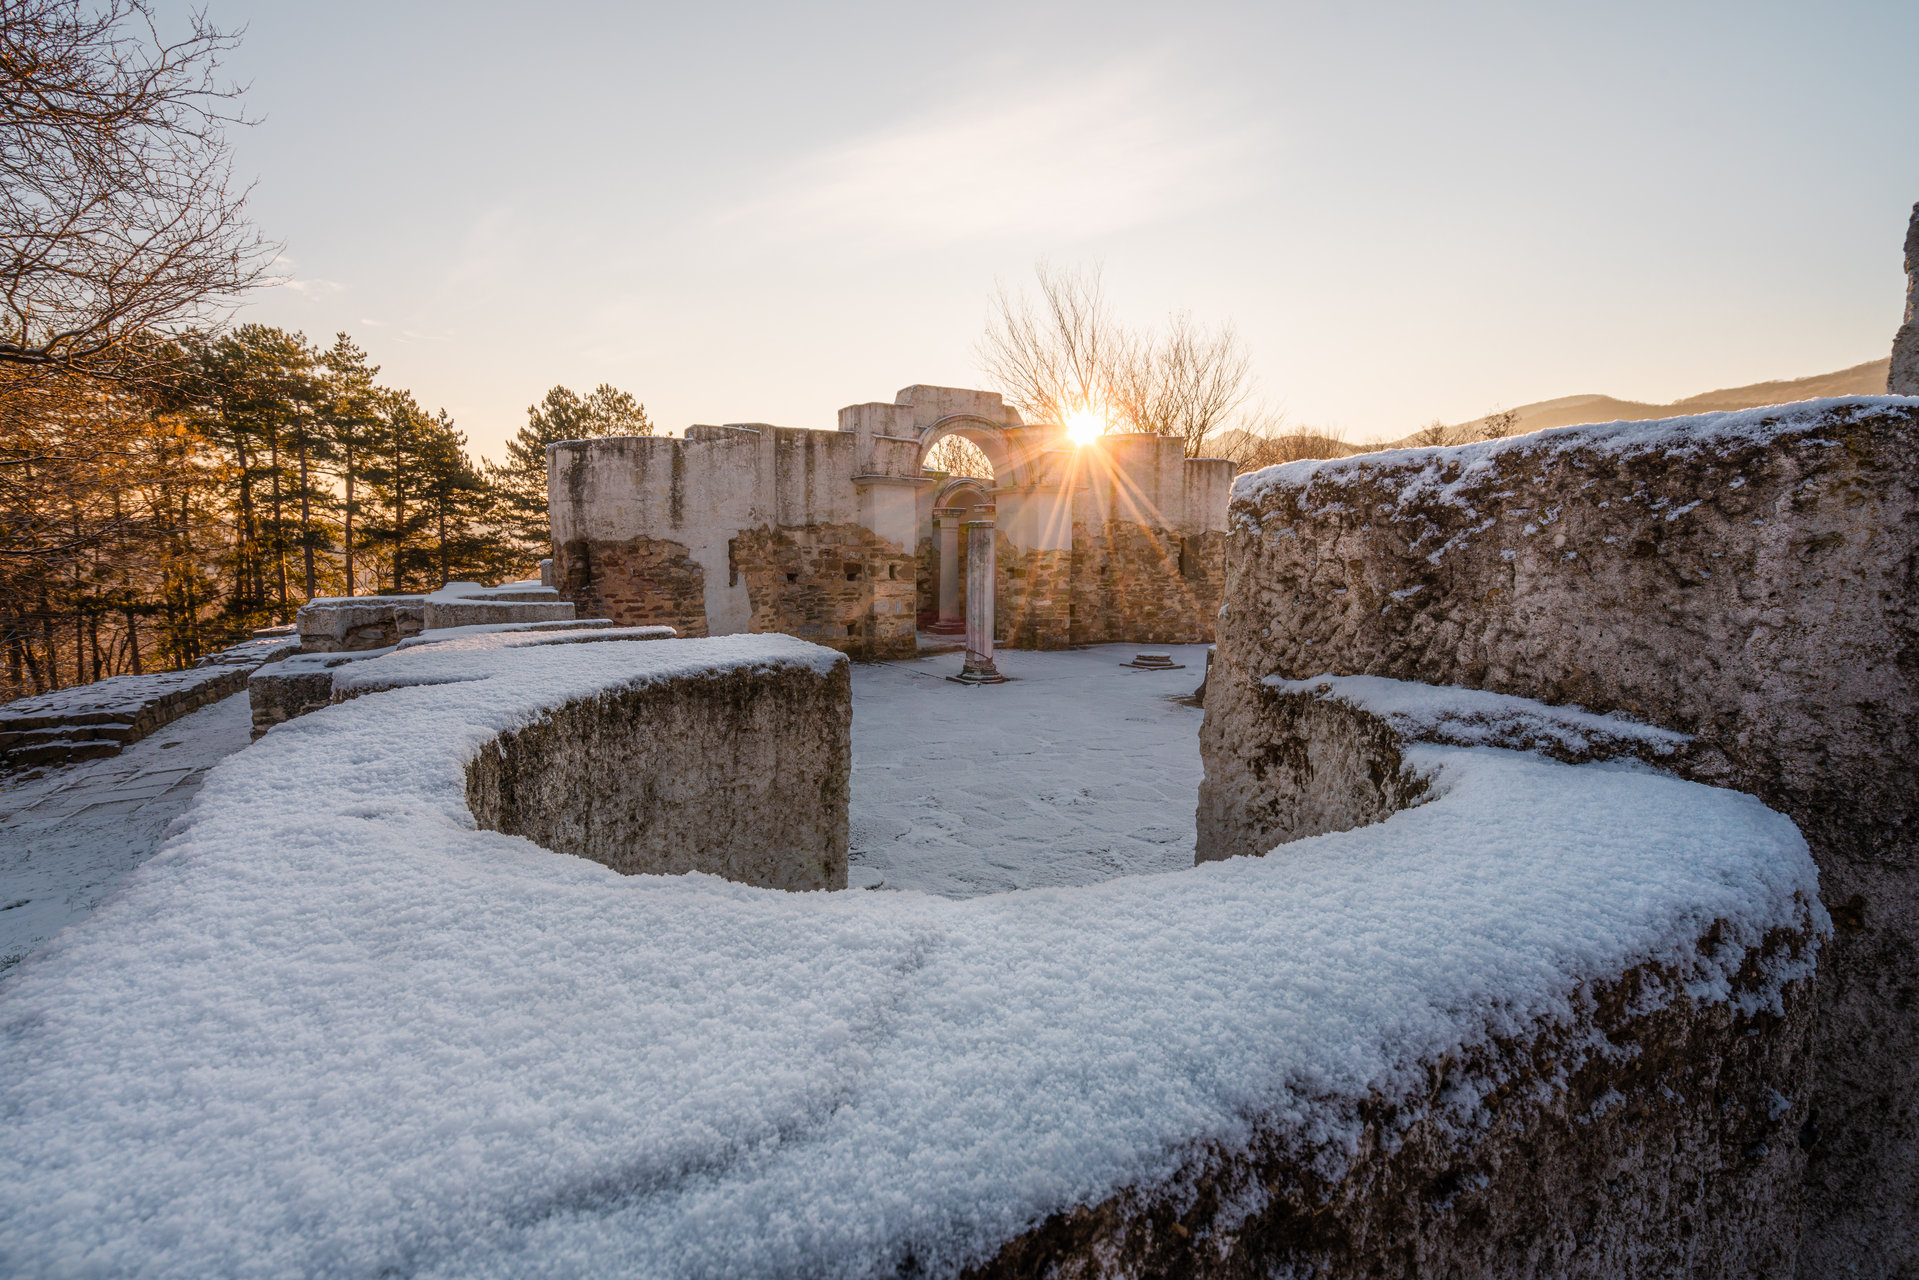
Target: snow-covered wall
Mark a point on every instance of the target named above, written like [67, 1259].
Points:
[336, 1027]
[1746, 580]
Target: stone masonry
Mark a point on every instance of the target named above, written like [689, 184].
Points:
[1752, 581]
[1902, 379]
[832, 535]
[638, 580]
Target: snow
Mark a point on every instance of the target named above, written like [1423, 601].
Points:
[116, 698]
[1078, 770]
[68, 833]
[1475, 718]
[332, 1029]
[571, 631]
[1441, 471]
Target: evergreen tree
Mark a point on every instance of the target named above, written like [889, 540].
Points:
[395, 469]
[350, 414]
[454, 496]
[260, 393]
[520, 482]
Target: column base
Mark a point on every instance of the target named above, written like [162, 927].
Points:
[978, 675]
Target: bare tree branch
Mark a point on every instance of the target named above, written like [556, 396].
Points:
[118, 210]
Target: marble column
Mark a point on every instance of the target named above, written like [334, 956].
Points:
[981, 568]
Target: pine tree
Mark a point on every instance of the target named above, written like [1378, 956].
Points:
[520, 482]
[395, 469]
[454, 496]
[261, 393]
[350, 414]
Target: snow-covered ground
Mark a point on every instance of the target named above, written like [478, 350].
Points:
[1077, 770]
[69, 833]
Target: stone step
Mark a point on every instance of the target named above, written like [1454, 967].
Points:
[488, 611]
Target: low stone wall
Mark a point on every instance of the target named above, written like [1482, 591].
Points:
[1746, 579]
[89, 722]
[1504, 1032]
[744, 775]
[348, 624]
[1627, 1144]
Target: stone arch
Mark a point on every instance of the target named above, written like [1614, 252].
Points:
[989, 436]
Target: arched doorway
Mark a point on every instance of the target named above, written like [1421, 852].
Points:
[955, 501]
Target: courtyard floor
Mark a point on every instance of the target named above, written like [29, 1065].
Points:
[1078, 769]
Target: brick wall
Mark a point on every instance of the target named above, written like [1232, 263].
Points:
[1033, 598]
[838, 585]
[640, 581]
[1131, 584]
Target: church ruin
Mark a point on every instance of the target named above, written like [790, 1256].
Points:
[845, 538]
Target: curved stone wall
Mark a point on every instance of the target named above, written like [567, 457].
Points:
[739, 774]
[1546, 1019]
[1746, 579]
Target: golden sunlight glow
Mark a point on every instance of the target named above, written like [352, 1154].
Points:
[1084, 426]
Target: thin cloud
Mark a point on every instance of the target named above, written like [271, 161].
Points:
[1081, 158]
[315, 288]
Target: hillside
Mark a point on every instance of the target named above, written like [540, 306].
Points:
[1861, 379]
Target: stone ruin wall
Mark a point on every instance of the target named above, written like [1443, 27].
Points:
[638, 578]
[1902, 377]
[1664, 1153]
[1759, 592]
[839, 585]
[743, 774]
[825, 535]
[1651, 1135]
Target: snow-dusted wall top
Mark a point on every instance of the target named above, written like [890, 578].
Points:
[334, 1030]
[1445, 470]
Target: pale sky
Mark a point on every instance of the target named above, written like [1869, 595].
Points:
[761, 212]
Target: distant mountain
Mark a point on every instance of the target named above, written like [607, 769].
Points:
[1861, 379]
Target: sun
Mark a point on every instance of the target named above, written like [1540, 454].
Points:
[1083, 426]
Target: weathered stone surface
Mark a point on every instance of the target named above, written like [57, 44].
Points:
[636, 581]
[295, 686]
[1753, 586]
[346, 624]
[1136, 584]
[743, 774]
[1034, 605]
[493, 611]
[839, 585]
[1297, 766]
[1633, 1143]
[1902, 379]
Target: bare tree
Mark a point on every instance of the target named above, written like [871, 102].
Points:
[1269, 441]
[1432, 434]
[958, 456]
[1067, 354]
[118, 212]
[1060, 357]
[1499, 424]
[1188, 383]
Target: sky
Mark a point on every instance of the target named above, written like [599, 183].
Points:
[763, 212]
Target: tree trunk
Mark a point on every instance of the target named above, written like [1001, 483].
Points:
[306, 514]
[279, 528]
[349, 521]
[133, 644]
